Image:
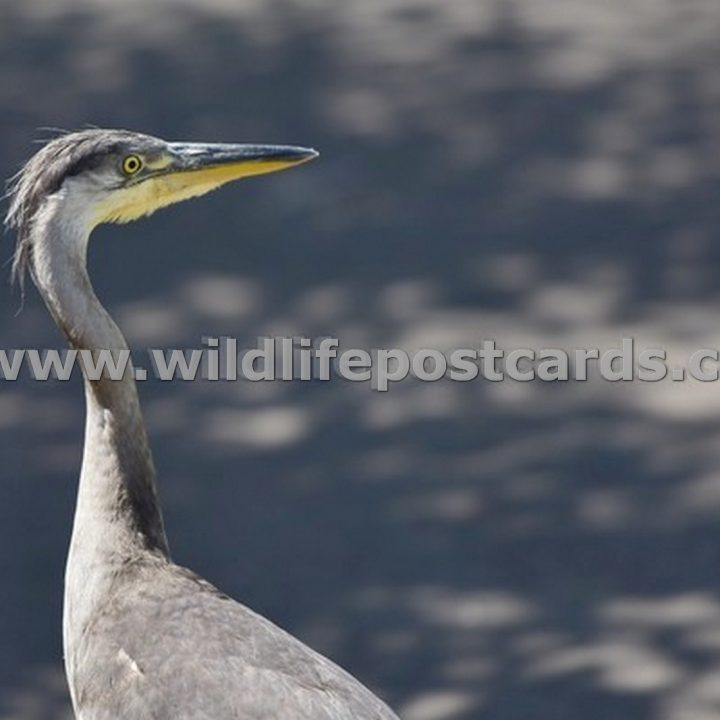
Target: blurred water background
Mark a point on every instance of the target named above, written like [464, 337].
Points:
[541, 172]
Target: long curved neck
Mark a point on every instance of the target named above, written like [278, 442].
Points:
[117, 517]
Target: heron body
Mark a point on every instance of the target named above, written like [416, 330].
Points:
[146, 639]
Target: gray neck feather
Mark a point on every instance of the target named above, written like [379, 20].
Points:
[117, 519]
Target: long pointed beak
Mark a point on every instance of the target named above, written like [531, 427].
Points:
[221, 163]
[188, 170]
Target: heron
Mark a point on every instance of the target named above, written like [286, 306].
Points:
[143, 637]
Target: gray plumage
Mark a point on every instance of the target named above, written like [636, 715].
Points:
[144, 638]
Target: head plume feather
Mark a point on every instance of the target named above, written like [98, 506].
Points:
[41, 176]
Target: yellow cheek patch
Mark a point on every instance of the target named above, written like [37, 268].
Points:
[147, 196]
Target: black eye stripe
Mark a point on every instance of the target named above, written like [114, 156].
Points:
[87, 163]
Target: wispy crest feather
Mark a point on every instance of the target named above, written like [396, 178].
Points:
[43, 175]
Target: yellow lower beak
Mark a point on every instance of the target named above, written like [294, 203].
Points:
[231, 162]
[193, 169]
[205, 167]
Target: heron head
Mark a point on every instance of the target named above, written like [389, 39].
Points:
[103, 176]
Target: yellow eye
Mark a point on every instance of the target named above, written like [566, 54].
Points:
[131, 164]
